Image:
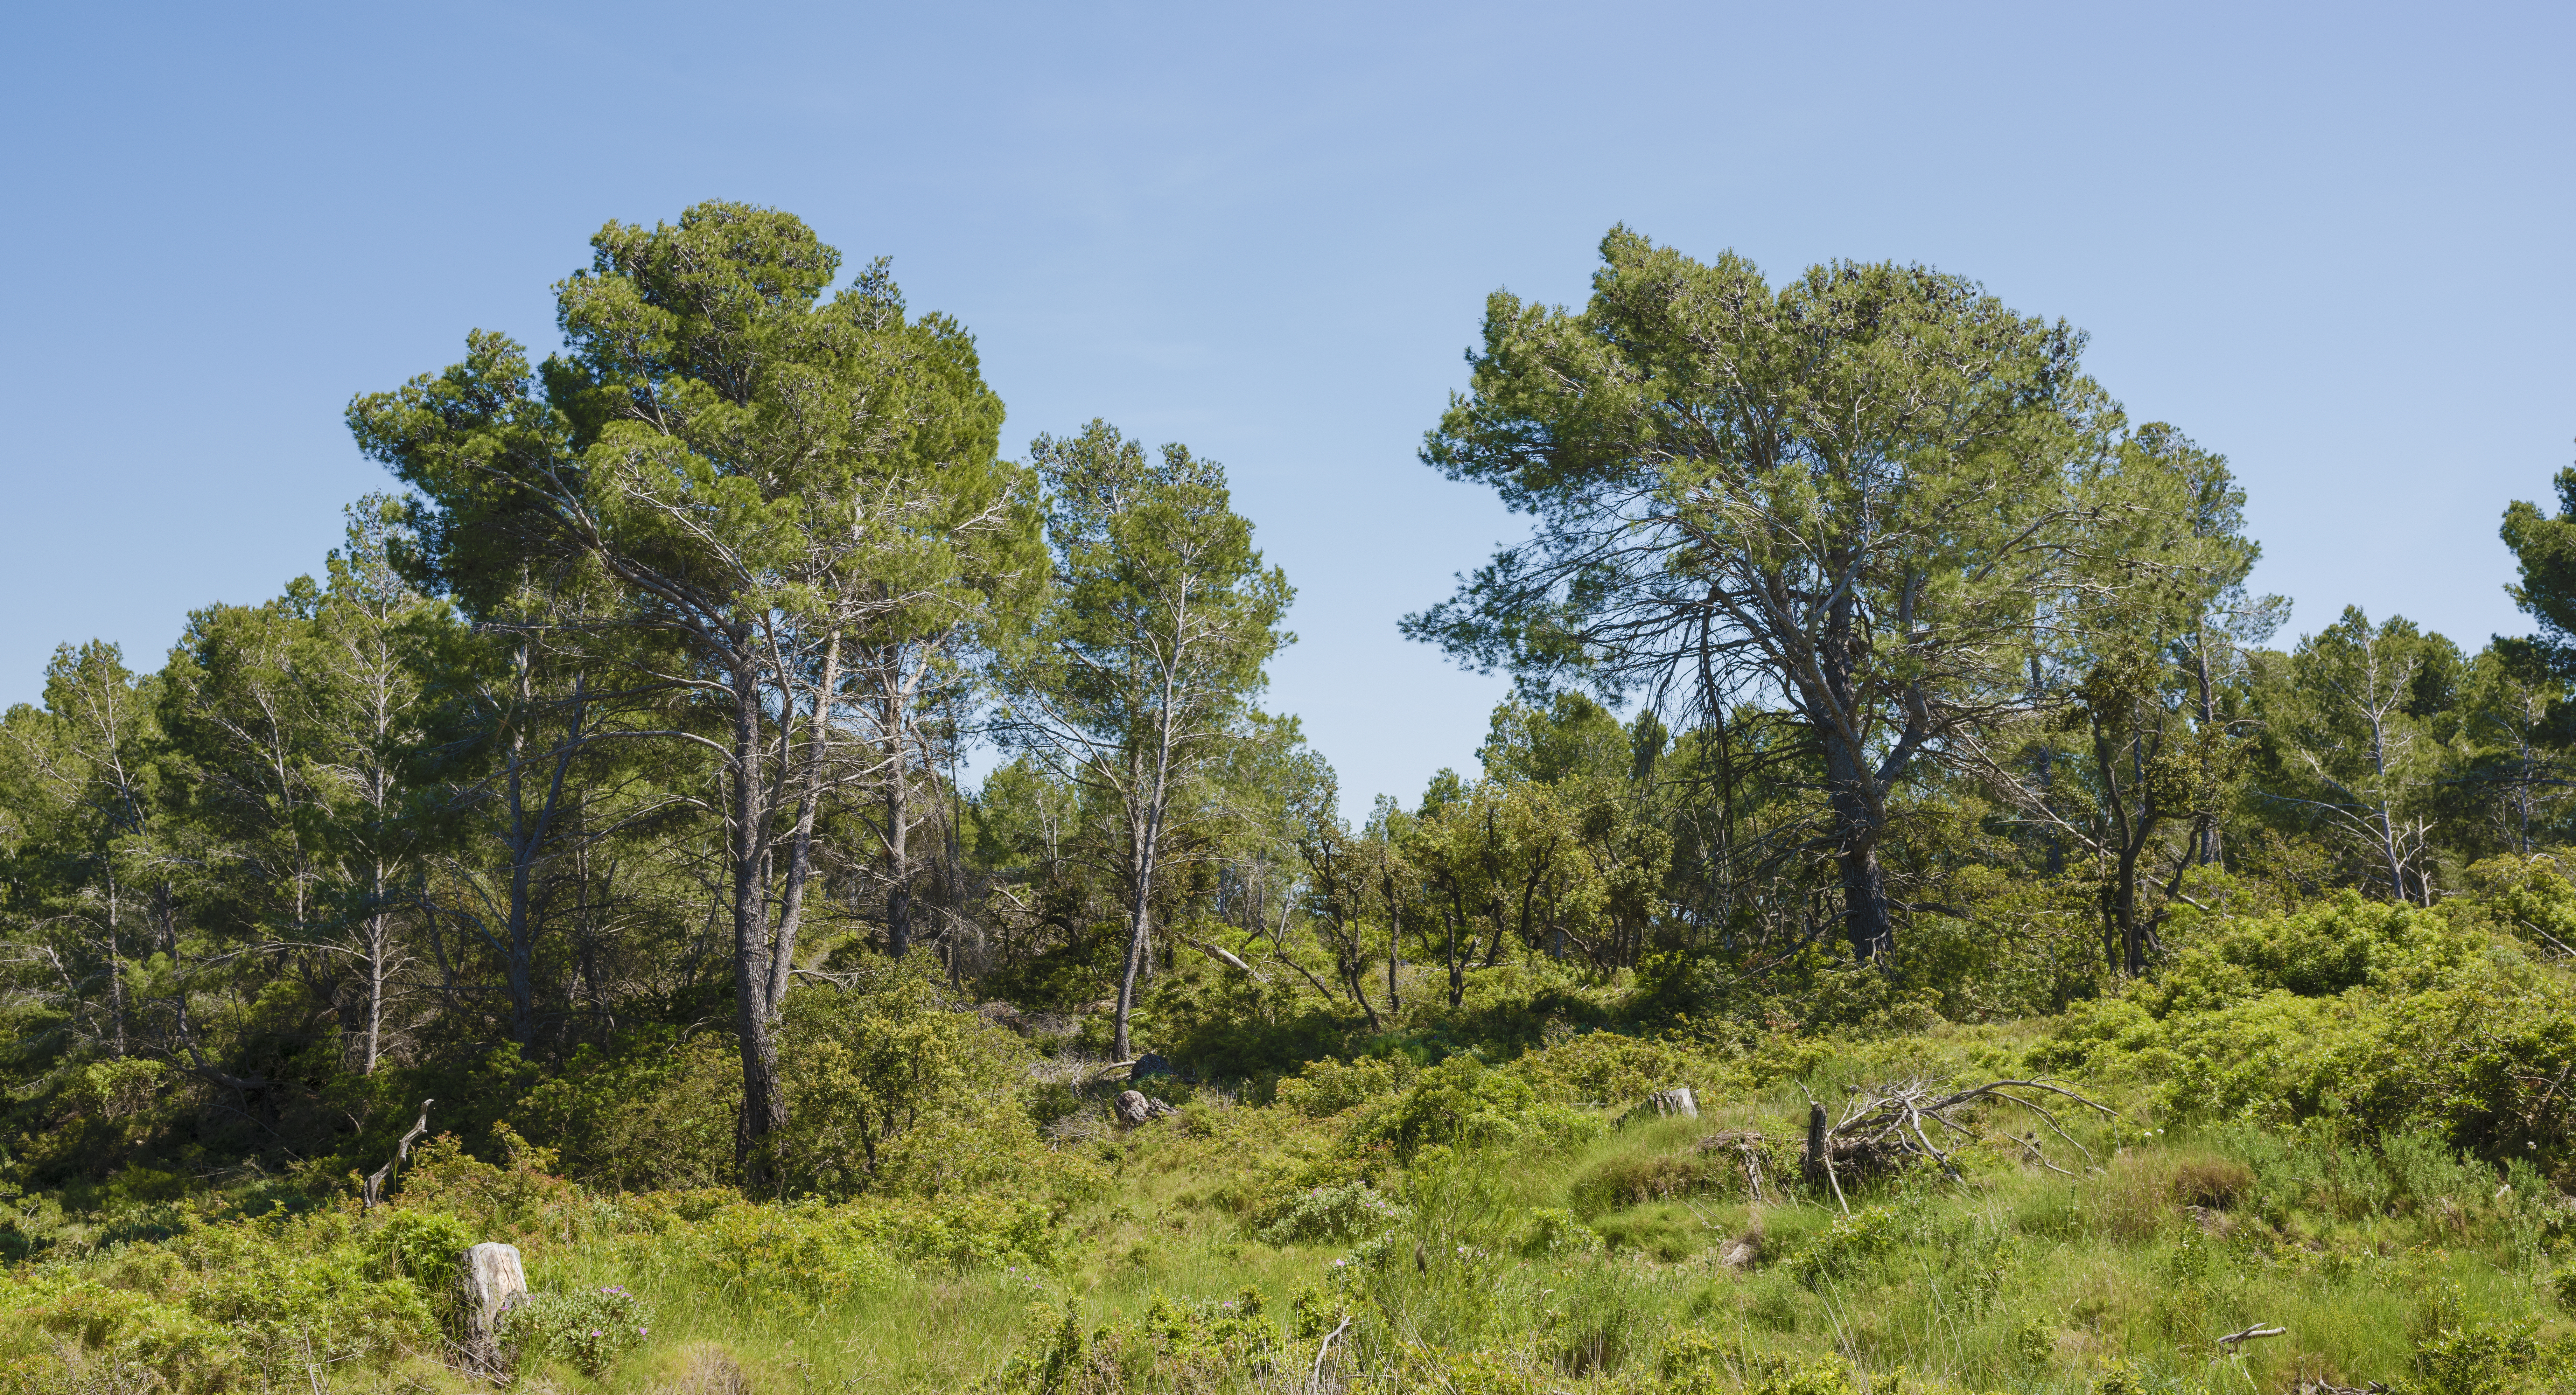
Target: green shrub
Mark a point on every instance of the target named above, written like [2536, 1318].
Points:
[2484, 1358]
[891, 1090]
[1351, 1211]
[1606, 1068]
[1851, 1244]
[1328, 1087]
[1172, 1345]
[1460, 1102]
[588, 1327]
[426, 1247]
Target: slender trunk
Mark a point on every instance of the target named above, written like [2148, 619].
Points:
[898, 860]
[115, 965]
[519, 930]
[2387, 811]
[800, 856]
[378, 933]
[1394, 958]
[1146, 833]
[2055, 853]
[764, 1108]
[1138, 923]
[1456, 915]
[2207, 833]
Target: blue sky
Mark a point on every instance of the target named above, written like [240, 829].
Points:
[2330, 241]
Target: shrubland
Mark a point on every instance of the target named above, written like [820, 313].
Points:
[1891, 720]
[2341, 1118]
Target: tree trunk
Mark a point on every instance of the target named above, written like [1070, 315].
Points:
[898, 861]
[764, 1108]
[1865, 918]
[800, 855]
[1137, 924]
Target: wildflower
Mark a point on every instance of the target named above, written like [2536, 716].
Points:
[597, 1333]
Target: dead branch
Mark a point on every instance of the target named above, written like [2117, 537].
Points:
[1885, 1127]
[375, 1188]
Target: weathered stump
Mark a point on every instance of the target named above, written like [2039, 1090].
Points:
[1134, 1108]
[1675, 1103]
[492, 1283]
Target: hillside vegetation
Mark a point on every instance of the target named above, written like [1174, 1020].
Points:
[2341, 1121]
[832, 896]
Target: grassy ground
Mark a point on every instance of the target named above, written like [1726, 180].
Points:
[1626, 1258]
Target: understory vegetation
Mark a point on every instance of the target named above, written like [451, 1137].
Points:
[829, 895]
[2344, 1120]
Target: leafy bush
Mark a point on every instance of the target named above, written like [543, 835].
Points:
[1328, 1087]
[1552, 1231]
[1172, 1345]
[890, 1089]
[1461, 1102]
[650, 1113]
[2388, 1017]
[588, 1327]
[1607, 1068]
[814, 1251]
[1351, 1211]
[1849, 1245]
[426, 1247]
[1654, 1176]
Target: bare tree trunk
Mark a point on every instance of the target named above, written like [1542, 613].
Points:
[800, 855]
[115, 964]
[764, 1108]
[898, 858]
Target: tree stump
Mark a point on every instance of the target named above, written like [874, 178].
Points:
[493, 1283]
[1134, 1108]
[1675, 1103]
[1813, 1162]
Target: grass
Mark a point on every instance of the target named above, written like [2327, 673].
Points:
[1633, 1260]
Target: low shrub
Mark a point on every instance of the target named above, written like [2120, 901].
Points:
[587, 1327]
[1351, 1211]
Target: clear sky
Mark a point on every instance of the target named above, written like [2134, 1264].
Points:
[2332, 242]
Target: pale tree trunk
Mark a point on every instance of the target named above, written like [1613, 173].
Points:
[898, 797]
[115, 965]
[1146, 835]
[800, 856]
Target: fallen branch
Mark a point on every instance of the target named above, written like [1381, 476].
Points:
[2249, 1334]
[376, 1185]
[1315, 1380]
[1895, 1122]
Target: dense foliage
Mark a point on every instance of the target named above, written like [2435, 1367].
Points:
[1889, 709]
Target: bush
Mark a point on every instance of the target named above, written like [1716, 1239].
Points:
[1460, 1102]
[1351, 1211]
[426, 1247]
[2389, 1017]
[1607, 1068]
[587, 1327]
[891, 1089]
[1328, 1087]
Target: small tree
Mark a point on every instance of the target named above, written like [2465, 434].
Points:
[1146, 659]
[2348, 729]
